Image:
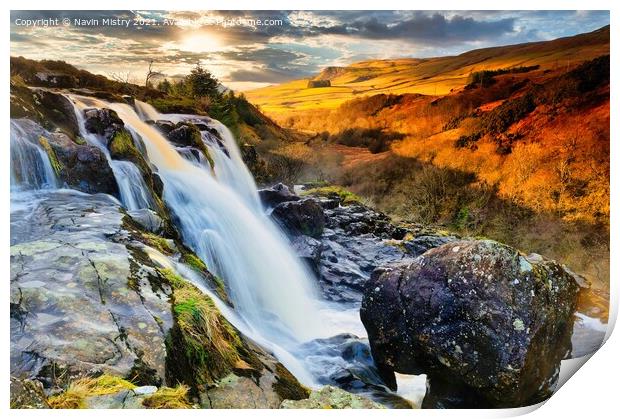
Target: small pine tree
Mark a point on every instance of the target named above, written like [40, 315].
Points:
[202, 83]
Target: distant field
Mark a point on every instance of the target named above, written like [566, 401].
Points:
[432, 76]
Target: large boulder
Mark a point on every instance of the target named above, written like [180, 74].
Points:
[476, 316]
[300, 217]
[422, 243]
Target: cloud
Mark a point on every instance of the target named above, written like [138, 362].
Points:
[297, 46]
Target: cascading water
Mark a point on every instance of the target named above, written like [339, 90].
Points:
[30, 165]
[219, 215]
[132, 189]
[269, 286]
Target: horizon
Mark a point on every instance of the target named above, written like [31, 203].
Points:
[250, 50]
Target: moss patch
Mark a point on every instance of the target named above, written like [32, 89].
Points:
[51, 154]
[346, 197]
[194, 261]
[76, 393]
[168, 398]
[203, 345]
[157, 242]
[218, 285]
[287, 386]
[122, 147]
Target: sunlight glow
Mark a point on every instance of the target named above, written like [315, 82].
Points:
[200, 42]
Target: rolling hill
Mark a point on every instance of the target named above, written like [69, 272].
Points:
[431, 76]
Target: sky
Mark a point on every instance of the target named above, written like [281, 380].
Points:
[251, 49]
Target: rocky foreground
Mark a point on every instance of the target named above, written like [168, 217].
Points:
[93, 292]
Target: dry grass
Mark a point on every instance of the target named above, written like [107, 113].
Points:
[168, 398]
[74, 396]
[433, 76]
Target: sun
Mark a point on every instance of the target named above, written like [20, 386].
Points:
[200, 42]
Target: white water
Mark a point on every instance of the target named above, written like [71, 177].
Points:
[222, 221]
[132, 189]
[30, 164]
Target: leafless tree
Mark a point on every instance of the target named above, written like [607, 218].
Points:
[151, 74]
[120, 77]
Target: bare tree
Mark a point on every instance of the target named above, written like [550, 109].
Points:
[151, 74]
[124, 78]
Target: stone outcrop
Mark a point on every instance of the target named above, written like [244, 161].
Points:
[488, 325]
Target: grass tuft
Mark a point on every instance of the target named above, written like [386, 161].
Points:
[168, 398]
[210, 342]
[74, 396]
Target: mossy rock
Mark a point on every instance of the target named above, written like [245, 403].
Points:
[202, 346]
[188, 135]
[334, 191]
[51, 154]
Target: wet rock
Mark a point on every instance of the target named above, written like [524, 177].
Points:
[148, 220]
[347, 262]
[270, 197]
[357, 374]
[309, 250]
[79, 166]
[164, 126]
[300, 217]
[103, 121]
[83, 167]
[90, 305]
[474, 315]
[185, 134]
[357, 219]
[262, 389]
[158, 184]
[58, 111]
[330, 397]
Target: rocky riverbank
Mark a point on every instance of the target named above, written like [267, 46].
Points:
[486, 323]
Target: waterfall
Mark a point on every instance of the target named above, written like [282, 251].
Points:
[30, 165]
[220, 217]
[133, 191]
